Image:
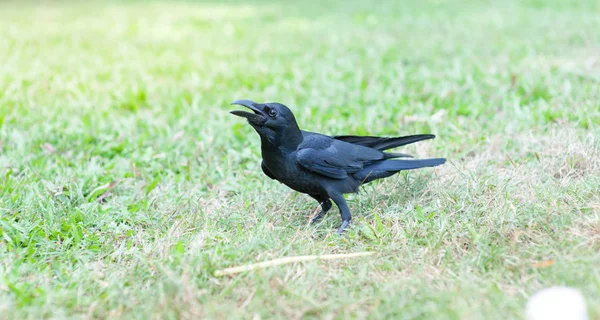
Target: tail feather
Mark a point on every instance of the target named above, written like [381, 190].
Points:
[387, 168]
[384, 143]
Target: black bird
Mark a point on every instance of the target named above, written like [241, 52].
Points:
[321, 166]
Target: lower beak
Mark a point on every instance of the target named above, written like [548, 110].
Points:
[255, 118]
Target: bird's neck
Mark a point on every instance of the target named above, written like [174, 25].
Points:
[287, 140]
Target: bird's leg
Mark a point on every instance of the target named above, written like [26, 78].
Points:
[339, 200]
[325, 206]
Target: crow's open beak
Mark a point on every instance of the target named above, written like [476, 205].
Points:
[257, 117]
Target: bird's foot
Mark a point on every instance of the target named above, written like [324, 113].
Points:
[318, 217]
[341, 229]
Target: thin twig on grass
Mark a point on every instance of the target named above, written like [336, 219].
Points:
[288, 260]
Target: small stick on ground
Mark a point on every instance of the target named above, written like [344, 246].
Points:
[288, 260]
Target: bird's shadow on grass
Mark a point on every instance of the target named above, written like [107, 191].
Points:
[407, 188]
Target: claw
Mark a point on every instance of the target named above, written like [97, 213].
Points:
[341, 229]
[318, 217]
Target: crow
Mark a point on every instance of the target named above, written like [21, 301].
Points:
[322, 166]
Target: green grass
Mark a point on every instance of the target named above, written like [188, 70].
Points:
[125, 183]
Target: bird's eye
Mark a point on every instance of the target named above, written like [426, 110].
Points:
[272, 113]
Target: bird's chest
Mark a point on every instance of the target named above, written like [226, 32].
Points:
[282, 165]
[285, 169]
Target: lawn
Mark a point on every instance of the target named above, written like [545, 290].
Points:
[125, 183]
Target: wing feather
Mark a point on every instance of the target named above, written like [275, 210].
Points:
[334, 158]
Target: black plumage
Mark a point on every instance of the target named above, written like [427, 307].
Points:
[322, 166]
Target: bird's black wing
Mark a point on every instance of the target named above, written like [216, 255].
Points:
[384, 143]
[333, 158]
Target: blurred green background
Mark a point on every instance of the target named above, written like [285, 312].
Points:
[125, 183]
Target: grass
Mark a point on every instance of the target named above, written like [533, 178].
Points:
[125, 183]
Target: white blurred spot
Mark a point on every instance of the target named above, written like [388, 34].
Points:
[557, 303]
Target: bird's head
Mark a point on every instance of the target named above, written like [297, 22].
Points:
[272, 121]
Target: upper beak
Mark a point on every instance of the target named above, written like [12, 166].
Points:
[256, 118]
